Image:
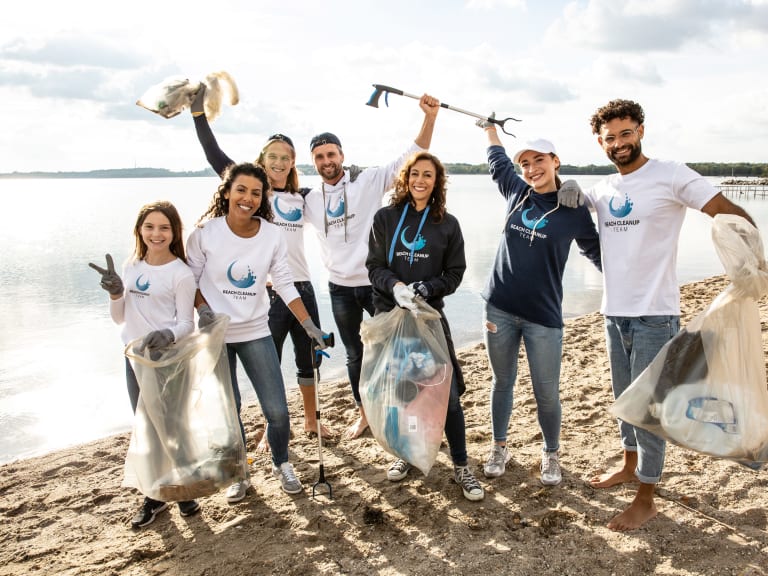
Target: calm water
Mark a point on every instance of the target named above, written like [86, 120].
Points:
[61, 365]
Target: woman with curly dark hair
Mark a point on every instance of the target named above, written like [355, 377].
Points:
[232, 252]
[416, 249]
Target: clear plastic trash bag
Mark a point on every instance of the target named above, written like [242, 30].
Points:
[186, 440]
[706, 388]
[405, 382]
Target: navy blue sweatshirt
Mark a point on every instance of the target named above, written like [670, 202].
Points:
[527, 275]
[438, 255]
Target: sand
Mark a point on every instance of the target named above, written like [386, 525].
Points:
[66, 513]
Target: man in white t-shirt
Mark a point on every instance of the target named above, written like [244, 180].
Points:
[341, 211]
[640, 212]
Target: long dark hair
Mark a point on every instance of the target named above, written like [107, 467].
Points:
[170, 212]
[437, 199]
[220, 205]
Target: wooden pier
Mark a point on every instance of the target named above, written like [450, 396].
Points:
[749, 188]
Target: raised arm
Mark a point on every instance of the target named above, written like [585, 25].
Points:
[430, 106]
[215, 155]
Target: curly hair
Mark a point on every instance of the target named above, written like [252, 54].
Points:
[402, 192]
[169, 210]
[220, 205]
[616, 109]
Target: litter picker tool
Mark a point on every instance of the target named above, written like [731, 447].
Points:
[316, 356]
[380, 89]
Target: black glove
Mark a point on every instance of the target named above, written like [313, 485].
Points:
[205, 316]
[110, 280]
[423, 289]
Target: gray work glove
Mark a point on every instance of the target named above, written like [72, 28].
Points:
[423, 289]
[205, 316]
[354, 172]
[110, 280]
[483, 123]
[404, 296]
[315, 334]
[157, 339]
[570, 194]
[198, 104]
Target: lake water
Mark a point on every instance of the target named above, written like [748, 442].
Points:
[61, 364]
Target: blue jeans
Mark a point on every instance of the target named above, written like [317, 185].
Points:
[543, 346]
[259, 358]
[633, 343]
[282, 322]
[348, 304]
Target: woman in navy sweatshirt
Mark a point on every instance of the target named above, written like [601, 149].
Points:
[524, 294]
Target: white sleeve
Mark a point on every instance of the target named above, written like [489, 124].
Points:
[185, 306]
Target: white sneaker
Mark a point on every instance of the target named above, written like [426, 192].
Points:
[497, 461]
[550, 469]
[398, 470]
[236, 491]
[290, 483]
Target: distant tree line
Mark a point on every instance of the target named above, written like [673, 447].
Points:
[735, 170]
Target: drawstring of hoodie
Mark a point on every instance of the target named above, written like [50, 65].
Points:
[535, 224]
[397, 234]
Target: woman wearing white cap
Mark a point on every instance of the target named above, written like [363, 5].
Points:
[523, 297]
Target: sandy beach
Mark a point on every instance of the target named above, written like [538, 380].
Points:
[66, 513]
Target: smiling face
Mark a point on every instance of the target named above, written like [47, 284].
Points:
[244, 197]
[421, 182]
[278, 159]
[620, 139]
[328, 160]
[540, 170]
[157, 234]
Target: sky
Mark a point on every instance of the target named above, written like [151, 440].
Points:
[71, 73]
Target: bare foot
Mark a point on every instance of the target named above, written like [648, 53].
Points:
[614, 478]
[262, 445]
[357, 429]
[311, 429]
[638, 513]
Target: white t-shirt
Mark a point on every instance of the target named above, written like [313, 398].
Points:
[156, 298]
[232, 271]
[288, 209]
[639, 217]
[342, 216]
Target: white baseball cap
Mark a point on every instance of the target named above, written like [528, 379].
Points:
[538, 145]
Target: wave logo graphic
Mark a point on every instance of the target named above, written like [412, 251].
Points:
[620, 211]
[337, 212]
[529, 222]
[244, 282]
[291, 215]
[418, 243]
[142, 286]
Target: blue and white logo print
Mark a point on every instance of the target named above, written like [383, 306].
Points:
[290, 215]
[622, 210]
[418, 243]
[245, 281]
[335, 213]
[142, 286]
[532, 223]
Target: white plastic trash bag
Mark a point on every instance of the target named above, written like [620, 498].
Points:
[706, 388]
[186, 440]
[405, 382]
